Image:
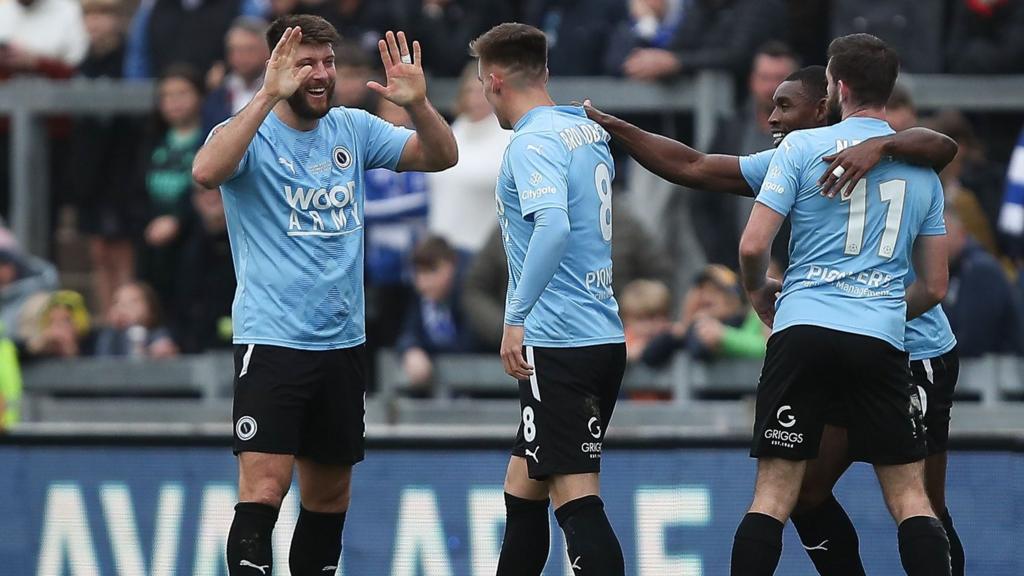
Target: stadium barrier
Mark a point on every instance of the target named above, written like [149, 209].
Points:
[161, 505]
[707, 96]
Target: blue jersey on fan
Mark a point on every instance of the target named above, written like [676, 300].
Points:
[294, 210]
[849, 259]
[559, 159]
[927, 336]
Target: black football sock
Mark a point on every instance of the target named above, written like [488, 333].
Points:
[924, 547]
[757, 546]
[589, 539]
[249, 544]
[956, 548]
[830, 539]
[316, 543]
[524, 551]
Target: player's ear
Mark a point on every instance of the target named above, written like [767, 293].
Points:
[821, 112]
[844, 91]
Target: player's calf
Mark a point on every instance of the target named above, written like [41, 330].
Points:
[589, 539]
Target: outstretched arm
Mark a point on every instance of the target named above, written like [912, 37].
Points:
[672, 160]
[432, 148]
[919, 146]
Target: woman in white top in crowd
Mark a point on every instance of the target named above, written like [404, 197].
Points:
[462, 198]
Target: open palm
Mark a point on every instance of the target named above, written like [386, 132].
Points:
[283, 77]
[405, 81]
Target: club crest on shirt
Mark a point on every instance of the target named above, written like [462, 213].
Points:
[342, 157]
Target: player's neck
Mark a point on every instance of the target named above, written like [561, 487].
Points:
[285, 114]
[865, 112]
[526, 101]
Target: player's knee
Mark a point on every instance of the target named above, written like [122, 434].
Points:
[330, 495]
[811, 496]
[269, 491]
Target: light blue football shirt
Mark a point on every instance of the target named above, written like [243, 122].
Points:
[849, 259]
[294, 211]
[927, 336]
[558, 158]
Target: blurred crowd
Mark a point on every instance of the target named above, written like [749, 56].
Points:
[143, 256]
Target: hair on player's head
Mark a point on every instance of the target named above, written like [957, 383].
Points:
[519, 48]
[315, 30]
[431, 252]
[813, 79]
[867, 65]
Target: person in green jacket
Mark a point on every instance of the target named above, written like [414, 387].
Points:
[716, 322]
[10, 383]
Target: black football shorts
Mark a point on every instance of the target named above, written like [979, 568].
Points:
[302, 402]
[566, 407]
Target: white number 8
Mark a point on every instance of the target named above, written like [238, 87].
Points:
[529, 429]
[603, 183]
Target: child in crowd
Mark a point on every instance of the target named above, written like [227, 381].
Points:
[135, 327]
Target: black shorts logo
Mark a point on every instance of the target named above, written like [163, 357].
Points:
[245, 428]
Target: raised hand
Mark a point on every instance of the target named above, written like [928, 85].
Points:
[406, 84]
[283, 77]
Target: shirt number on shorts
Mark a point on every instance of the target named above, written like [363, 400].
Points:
[892, 192]
[603, 183]
[529, 427]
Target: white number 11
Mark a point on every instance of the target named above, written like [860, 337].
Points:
[892, 192]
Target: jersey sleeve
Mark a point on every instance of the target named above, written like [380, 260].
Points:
[539, 165]
[754, 168]
[782, 181]
[934, 225]
[384, 141]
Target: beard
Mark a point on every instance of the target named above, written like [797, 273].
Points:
[833, 111]
[304, 109]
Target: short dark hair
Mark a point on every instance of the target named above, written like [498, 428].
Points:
[431, 252]
[867, 65]
[518, 47]
[315, 30]
[777, 49]
[813, 79]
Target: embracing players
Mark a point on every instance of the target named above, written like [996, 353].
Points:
[800, 103]
[563, 338]
[291, 170]
[840, 319]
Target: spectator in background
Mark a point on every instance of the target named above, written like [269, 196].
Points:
[445, 27]
[913, 28]
[206, 277]
[972, 184]
[980, 303]
[986, 37]
[644, 307]
[635, 255]
[435, 322]
[395, 215]
[21, 277]
[651, 24]
[165, 180]
[462, 197]
[719, 219]
[715, 34]
[61, 328]
[41, 37]
[10, 383]
[716, 322]
[355, 68]
[1011, 213]
[362, 22]
[232, 86]
[102, 145]
[578, 32]
[900, 111]
[166, 32]
[135, 326]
